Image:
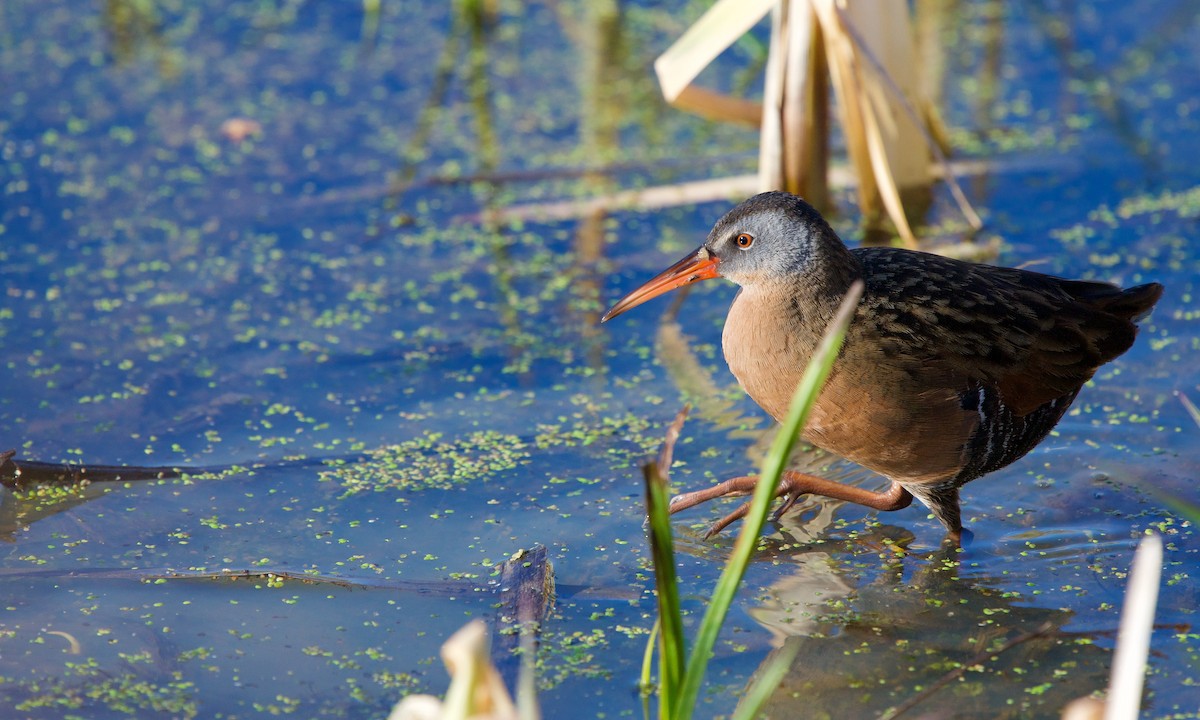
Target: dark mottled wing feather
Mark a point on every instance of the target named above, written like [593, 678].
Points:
[1034, 337]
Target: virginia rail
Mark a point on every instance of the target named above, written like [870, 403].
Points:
[949, 370]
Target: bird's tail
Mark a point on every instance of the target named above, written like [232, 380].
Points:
[1137, 302]
[1130, 305]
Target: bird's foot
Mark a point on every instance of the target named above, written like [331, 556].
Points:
[958, 539]
[791, 487]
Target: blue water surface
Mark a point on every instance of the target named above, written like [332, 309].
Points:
[249, 242]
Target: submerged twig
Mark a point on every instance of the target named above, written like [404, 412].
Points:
[537, 608]
[437, 588]
[686, 193]
[374, 191]
[1044, 629]
[23, 474]
[668, 447]
[1189, 406]
[18, 475]
[691, 193]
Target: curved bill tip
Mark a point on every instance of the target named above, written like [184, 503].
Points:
[699, 265]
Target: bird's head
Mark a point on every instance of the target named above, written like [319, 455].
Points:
[771, 237]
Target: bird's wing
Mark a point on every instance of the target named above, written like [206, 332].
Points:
[1033, 337]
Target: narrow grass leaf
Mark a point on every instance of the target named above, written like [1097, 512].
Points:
[1181, 507]
[671, 647]
[767, 681]
[647, 679]
[1186, 509]
[662, 550]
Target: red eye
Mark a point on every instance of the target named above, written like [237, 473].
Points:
[744, 241]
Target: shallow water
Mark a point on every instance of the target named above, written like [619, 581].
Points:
[363, 381]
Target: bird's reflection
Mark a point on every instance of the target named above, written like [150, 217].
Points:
[882, 632]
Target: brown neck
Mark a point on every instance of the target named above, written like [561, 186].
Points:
[769, 336]
[775, 324]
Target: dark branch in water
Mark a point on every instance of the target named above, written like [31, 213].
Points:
[529, 603]
[20, 475]
[1045, 628]
[526, 597]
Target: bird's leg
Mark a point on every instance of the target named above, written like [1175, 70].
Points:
[791, 486]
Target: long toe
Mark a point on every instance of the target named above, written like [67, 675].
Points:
[728, 520]
[789, 500]
[736, 486]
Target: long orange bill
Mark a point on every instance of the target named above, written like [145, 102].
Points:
[700, 265]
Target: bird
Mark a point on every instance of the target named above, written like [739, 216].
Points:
[949, 369]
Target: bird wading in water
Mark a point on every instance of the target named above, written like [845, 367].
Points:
[949, 369]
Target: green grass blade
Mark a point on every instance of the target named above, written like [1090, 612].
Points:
[1179, 506]
[647, 680]
[764, 685]
[662, 551]
[773, 467]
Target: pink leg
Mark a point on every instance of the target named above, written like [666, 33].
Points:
[791, 486]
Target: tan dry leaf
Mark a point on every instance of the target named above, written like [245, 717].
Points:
[717, 29]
